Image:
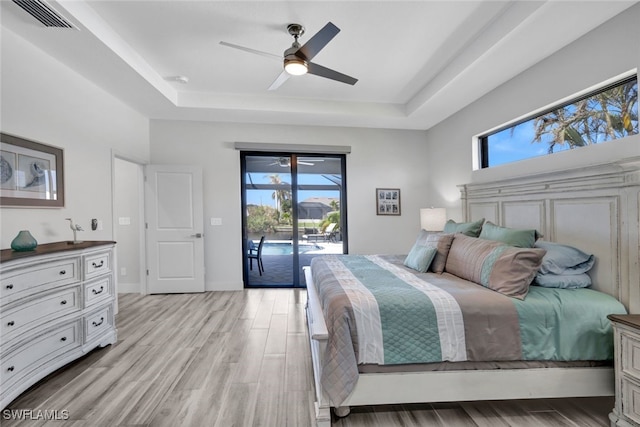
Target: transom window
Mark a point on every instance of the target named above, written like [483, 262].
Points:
[600, 116]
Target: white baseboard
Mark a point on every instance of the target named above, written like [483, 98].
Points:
[129, 288]
[223, 286]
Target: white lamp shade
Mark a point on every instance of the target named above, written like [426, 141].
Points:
[433, 219]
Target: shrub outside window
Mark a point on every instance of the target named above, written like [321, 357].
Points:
[604, 115]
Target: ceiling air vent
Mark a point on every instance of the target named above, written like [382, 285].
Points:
[43, 13]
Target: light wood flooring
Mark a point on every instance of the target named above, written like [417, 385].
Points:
[239, 359]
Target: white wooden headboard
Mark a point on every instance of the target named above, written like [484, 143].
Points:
[595, 208]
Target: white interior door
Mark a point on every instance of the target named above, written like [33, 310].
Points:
[175, 243]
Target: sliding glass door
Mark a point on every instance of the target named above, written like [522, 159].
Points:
[294, 208]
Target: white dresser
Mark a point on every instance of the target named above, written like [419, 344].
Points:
[56, 304]
[626, 412]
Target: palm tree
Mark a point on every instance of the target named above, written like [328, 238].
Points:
[608, 115]
[281, 196]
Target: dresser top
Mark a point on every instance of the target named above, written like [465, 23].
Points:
[632, 320]
[50, 248]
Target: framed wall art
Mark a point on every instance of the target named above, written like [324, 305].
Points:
[31, 173]
[388, 201]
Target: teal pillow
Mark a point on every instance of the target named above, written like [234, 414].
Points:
[519, 238]
[471, 229]
[420, 258]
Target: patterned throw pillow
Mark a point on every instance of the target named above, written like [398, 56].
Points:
[440, 241]
[494, 265]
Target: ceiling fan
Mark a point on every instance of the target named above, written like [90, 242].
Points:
[297, 59]
[285, 162]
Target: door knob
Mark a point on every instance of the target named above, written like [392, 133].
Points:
[197, 235]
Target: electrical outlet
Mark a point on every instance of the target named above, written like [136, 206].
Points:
[123, 271]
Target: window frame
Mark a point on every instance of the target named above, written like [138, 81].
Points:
[483, 139]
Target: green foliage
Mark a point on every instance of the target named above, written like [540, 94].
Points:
[331, 217]
[261, 218]
[605, 116]
[282, 198]
[285, 212]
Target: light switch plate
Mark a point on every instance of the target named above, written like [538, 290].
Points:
[216, 221]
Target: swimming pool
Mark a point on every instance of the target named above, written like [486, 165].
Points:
[286, 248]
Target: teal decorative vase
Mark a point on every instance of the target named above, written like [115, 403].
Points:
[23, 242]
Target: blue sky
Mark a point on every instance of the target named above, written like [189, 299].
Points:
[515, 143]
[505, 146]
[264, 197]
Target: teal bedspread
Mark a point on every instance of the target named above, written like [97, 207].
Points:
[566, 324]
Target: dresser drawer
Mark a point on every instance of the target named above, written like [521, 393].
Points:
[24, 281]
[631, 400]
[97, 264]
[56, 304]
[41, 308]
[630, 354]
[97, 323]
[98, 290]
[27, 358]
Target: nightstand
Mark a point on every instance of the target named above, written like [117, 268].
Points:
[626, 328]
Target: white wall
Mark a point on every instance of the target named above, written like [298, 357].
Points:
[45, 101]
[607, 51]
[379, 158]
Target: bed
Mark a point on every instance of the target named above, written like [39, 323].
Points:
[595, 209]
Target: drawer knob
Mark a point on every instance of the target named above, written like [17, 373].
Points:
[63, 339]
[10, 368]
[63, 302]
[11, 323]
[97, 265]
[99, 291]
[9, 286]
[63, 272]
[98, 323]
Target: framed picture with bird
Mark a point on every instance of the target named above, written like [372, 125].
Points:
[31, 173]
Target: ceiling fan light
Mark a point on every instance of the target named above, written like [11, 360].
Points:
[295, 66]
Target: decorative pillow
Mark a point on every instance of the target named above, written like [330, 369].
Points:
[519, 238]
[494, 265]
[564, 281]
[420, 258]
[471, 229]
[564, 259]
[440, 241]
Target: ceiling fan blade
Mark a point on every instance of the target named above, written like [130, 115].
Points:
[318, 41]
[328, 73]
[257, 52]
[283, 77]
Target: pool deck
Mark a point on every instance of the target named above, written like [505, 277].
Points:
[278, 269]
